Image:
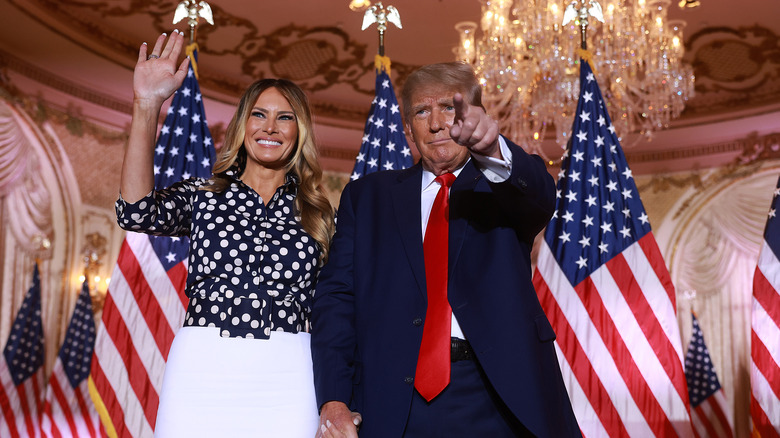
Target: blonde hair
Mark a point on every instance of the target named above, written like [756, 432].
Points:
[456, 76]
[314, 207]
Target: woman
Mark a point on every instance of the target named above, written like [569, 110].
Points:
[259, 231]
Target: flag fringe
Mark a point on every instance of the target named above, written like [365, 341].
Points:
[105, 418]
[190, 50]
[382, 63]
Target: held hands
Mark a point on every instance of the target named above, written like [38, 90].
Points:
[337, 421]
[474, 129]
[156, 76]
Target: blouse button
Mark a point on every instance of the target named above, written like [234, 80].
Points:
[408, 380]
[417, 322]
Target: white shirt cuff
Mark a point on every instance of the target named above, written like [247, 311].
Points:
[496, 169]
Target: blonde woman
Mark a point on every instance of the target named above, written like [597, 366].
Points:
[259, 231]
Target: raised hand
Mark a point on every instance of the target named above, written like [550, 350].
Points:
[159, 74]
[474, 129]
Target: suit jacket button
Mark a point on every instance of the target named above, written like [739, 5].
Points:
[522, 183]
[417, 322]
[408, 380]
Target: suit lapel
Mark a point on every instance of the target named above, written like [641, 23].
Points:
[406, 206]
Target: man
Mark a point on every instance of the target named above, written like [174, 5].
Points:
[376, 322]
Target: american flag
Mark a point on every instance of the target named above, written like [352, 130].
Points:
[603, 284]
[384, 143]
[68, 409]
[146, 303]
[765, 347]
[21, 368]
[709, 409]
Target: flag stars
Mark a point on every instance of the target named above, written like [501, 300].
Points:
[571, 196]
[626, 194]
[390, 147]
[561, 173]
[591, 200]
[406, 151]
[379, 123]
[609, 207]
[182, 111]
[382, 103]
[193, 138]
[596, 161]
[575, 176]
[588, 221]
[190, 157]
[171, 257]
[365, 138]
[590, 77]
[393, 127]
[372, 162]
[594, 181]
[606, 227]
[599, 141]
[360, 157]
[178, 131]
[627, 173]
[772, 213]
[354, 176]
[186, 91]
[601, 121]
[578, 156]
[156, 170]
[385, 83]
[165, 130]
[568, 217]
[169, 172]
[625, 231]
[582, 136]
[587, 96]
[205, 162]
[196, 118]
[643, 218]
[582, 262]
[626, 212]
[174, 151]
[603, 247]
[394, 108]
[611, 129]
[160, 149]
[585, 242]
[612, 186]
[376, 142]
[388, 165]
[585, 117]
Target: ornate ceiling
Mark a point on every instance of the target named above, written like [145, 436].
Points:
[87, 48]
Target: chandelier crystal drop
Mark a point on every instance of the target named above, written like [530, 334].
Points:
[527, 61]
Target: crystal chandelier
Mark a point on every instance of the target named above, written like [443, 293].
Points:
[528, 63]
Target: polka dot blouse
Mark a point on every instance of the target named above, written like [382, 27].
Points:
[252, 267]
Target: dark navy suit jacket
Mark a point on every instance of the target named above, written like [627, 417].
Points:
[370, 299]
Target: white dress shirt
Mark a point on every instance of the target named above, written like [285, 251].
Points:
[496, 170]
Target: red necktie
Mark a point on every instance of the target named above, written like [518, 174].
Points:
[433, 363]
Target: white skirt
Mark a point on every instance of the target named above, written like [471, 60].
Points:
[236, 387]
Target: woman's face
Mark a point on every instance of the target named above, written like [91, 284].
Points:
[271, 130]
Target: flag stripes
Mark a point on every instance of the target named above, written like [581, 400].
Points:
[614, 335]
[765, 331]
[21, 405]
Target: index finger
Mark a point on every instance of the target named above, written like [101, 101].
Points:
[461, 107]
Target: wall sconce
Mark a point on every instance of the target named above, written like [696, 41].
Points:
[93, 252]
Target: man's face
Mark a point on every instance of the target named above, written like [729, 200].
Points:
[431, 116]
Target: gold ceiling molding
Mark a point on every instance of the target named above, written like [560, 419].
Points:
[734, 68]
[756, 152]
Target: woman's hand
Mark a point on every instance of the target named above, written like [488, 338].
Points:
[156, 76]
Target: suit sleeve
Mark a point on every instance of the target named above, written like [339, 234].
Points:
[528, 195]
[333, 313]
